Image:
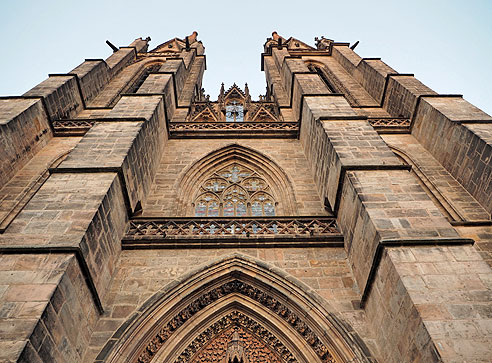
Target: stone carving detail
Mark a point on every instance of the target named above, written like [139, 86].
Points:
[234, 226]
[322, 43]
[260, 345]
[254, 125]
[245, 289]
[72, 127]
[390, 122]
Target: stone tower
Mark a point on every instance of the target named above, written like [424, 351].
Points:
[344, 216]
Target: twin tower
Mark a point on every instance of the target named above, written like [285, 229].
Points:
[344, 216]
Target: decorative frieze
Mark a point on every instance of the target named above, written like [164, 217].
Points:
[192, 126]
[232, 228]
[72, 127]
[390, 123]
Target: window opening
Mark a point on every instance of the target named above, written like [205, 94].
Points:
[234, 112]
[234, 191]
[139, 82]
[325, 80]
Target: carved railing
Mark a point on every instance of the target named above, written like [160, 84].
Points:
[72, 127]
[216, 129]
[233, 229]
[192, 126]
[390, 123]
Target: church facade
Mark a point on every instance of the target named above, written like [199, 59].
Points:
[343, 216]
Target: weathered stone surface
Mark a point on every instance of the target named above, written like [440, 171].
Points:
[93, 75]
[456, 202]
[45, 302]
[433, 303]
[405, 287]
[465, 150]
[18, 190]
[61, 95]
[402, 93]
[83, 211]
[24, 130]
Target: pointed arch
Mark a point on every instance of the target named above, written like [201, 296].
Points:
[291, 320]
[147, 67]
[194, 176]
[331, 80]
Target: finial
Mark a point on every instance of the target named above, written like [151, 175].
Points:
[148, 39]
[222, 91]
[192, 37]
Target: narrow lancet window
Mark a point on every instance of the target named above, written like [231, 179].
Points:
[139, 82]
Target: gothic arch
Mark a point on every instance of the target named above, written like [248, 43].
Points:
[288, 318]
[128, 77]
[143, 69]
[331, 80]
[193, 177]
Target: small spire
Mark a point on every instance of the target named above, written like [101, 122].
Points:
[246, 89]
[221, 95]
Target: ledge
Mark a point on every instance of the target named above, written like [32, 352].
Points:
[421, 242]
[232, 232]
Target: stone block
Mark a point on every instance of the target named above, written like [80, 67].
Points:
[464, 149]
[87, 214]
[120, 59]
[61, 95]
[131, 148]
[402, 93]
[93, 75]
[24, 130]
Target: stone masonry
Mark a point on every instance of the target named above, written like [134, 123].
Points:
[409, 281]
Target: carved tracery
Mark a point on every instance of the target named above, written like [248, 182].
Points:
[201, 311]
[234, 105]
[295, 321]
[192, 187]
[234, 190]
[254, 342]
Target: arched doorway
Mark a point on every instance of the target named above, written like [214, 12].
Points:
[235, 308]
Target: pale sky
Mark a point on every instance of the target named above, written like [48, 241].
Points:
[445, 43]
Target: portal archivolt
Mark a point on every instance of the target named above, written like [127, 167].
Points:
[237, 308]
